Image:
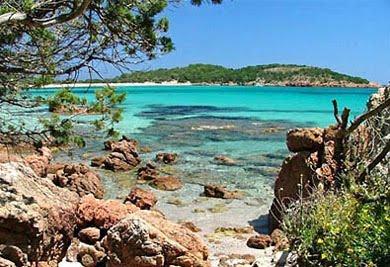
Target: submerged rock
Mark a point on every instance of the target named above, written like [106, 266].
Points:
[143, 199]
[80, 179]
[167, 183]
[36, 216]
[223, 160]
[146, 238]
[167, 158]
[219, 191]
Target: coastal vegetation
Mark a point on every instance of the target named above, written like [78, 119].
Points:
[345, 221]
[277, 74]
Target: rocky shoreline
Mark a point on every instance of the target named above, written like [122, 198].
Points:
[54, 213]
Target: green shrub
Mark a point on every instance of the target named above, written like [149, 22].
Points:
[343, 228]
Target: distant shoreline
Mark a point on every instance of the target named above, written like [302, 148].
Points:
[174, 83]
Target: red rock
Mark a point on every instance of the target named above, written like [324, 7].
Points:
[167, 183]
[124, 155]
[122, 145]
[297, 173]
[102, 213]
[296, 177]
[147, 173]
[147, 239]
[259, 241]
[219, 191]
[307, 139]
[167, 158]
[143, 199]
[121, 161]
[80, 179]
[89, 235]
[36, 216]
[39, 162]
[52, 168]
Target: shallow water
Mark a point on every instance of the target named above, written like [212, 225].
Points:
[247, 124]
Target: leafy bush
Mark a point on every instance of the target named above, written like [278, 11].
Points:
[349, 227]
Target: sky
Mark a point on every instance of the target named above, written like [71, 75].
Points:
[349, 36]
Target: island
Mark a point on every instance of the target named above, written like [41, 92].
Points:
[260, 75]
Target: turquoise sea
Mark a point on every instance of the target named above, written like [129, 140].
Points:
[247, 124]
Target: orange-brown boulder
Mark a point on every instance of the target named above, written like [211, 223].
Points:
[89, 235]
[306, 139]
[123, 156]
[147, 239]
[219, 191]
[296, 178]
[39, 162]
[36, 216]
[147, 173]
[143, 199]
[80, 179]
[102, 213]
[259, 241]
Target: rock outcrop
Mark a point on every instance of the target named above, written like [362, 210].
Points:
[219, 191]
[123, 156]
[147, 239]
[36, 216]
[80, 179]
[143, 199]
[314, 161]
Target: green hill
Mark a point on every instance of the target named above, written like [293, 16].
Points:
[272, 74]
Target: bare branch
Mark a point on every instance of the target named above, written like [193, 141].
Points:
[360, 119]
[375, 161]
